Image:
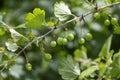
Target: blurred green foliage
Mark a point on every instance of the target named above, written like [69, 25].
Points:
[13, 13]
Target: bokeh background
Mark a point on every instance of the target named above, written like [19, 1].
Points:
[13, 13]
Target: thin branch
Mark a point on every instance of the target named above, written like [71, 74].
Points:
[63, 24]
[37, 38]
[110, 5]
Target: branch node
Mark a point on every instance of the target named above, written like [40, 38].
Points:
[83, 19]
[96, 7]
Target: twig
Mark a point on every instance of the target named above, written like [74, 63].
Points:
[62, 24]
[37, 38]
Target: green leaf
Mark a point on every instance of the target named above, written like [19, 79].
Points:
[69, 69]
[80, 53]
[29, 16]
[115, 71]
[5, 57]
[35, 19]
[109, 57]
[106, 47]
[11, 46]
[116, 30]
[61, 11]
[88, 71]
[21, 26]
[102, 67]
[15, 35]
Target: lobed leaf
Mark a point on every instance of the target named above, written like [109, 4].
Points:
[11, 46]
[29, 16]
[35, 19]
[88, 71]
[69, 69]
[61, 11]
[115, 71]
[15, 35]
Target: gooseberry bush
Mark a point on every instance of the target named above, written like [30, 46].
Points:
[80, 42]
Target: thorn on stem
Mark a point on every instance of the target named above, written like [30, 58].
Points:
[96, 7]
[43, 38]
[55, 27]
[83, 19]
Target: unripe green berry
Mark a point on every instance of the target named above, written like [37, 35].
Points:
[88, 36]
[70, 37]
[107, 22]
[53, 43]
[47, 57]
[81, 41]
[60, 40]
[28, 67]
[64, 42]
[96, 15]
[114, 21]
